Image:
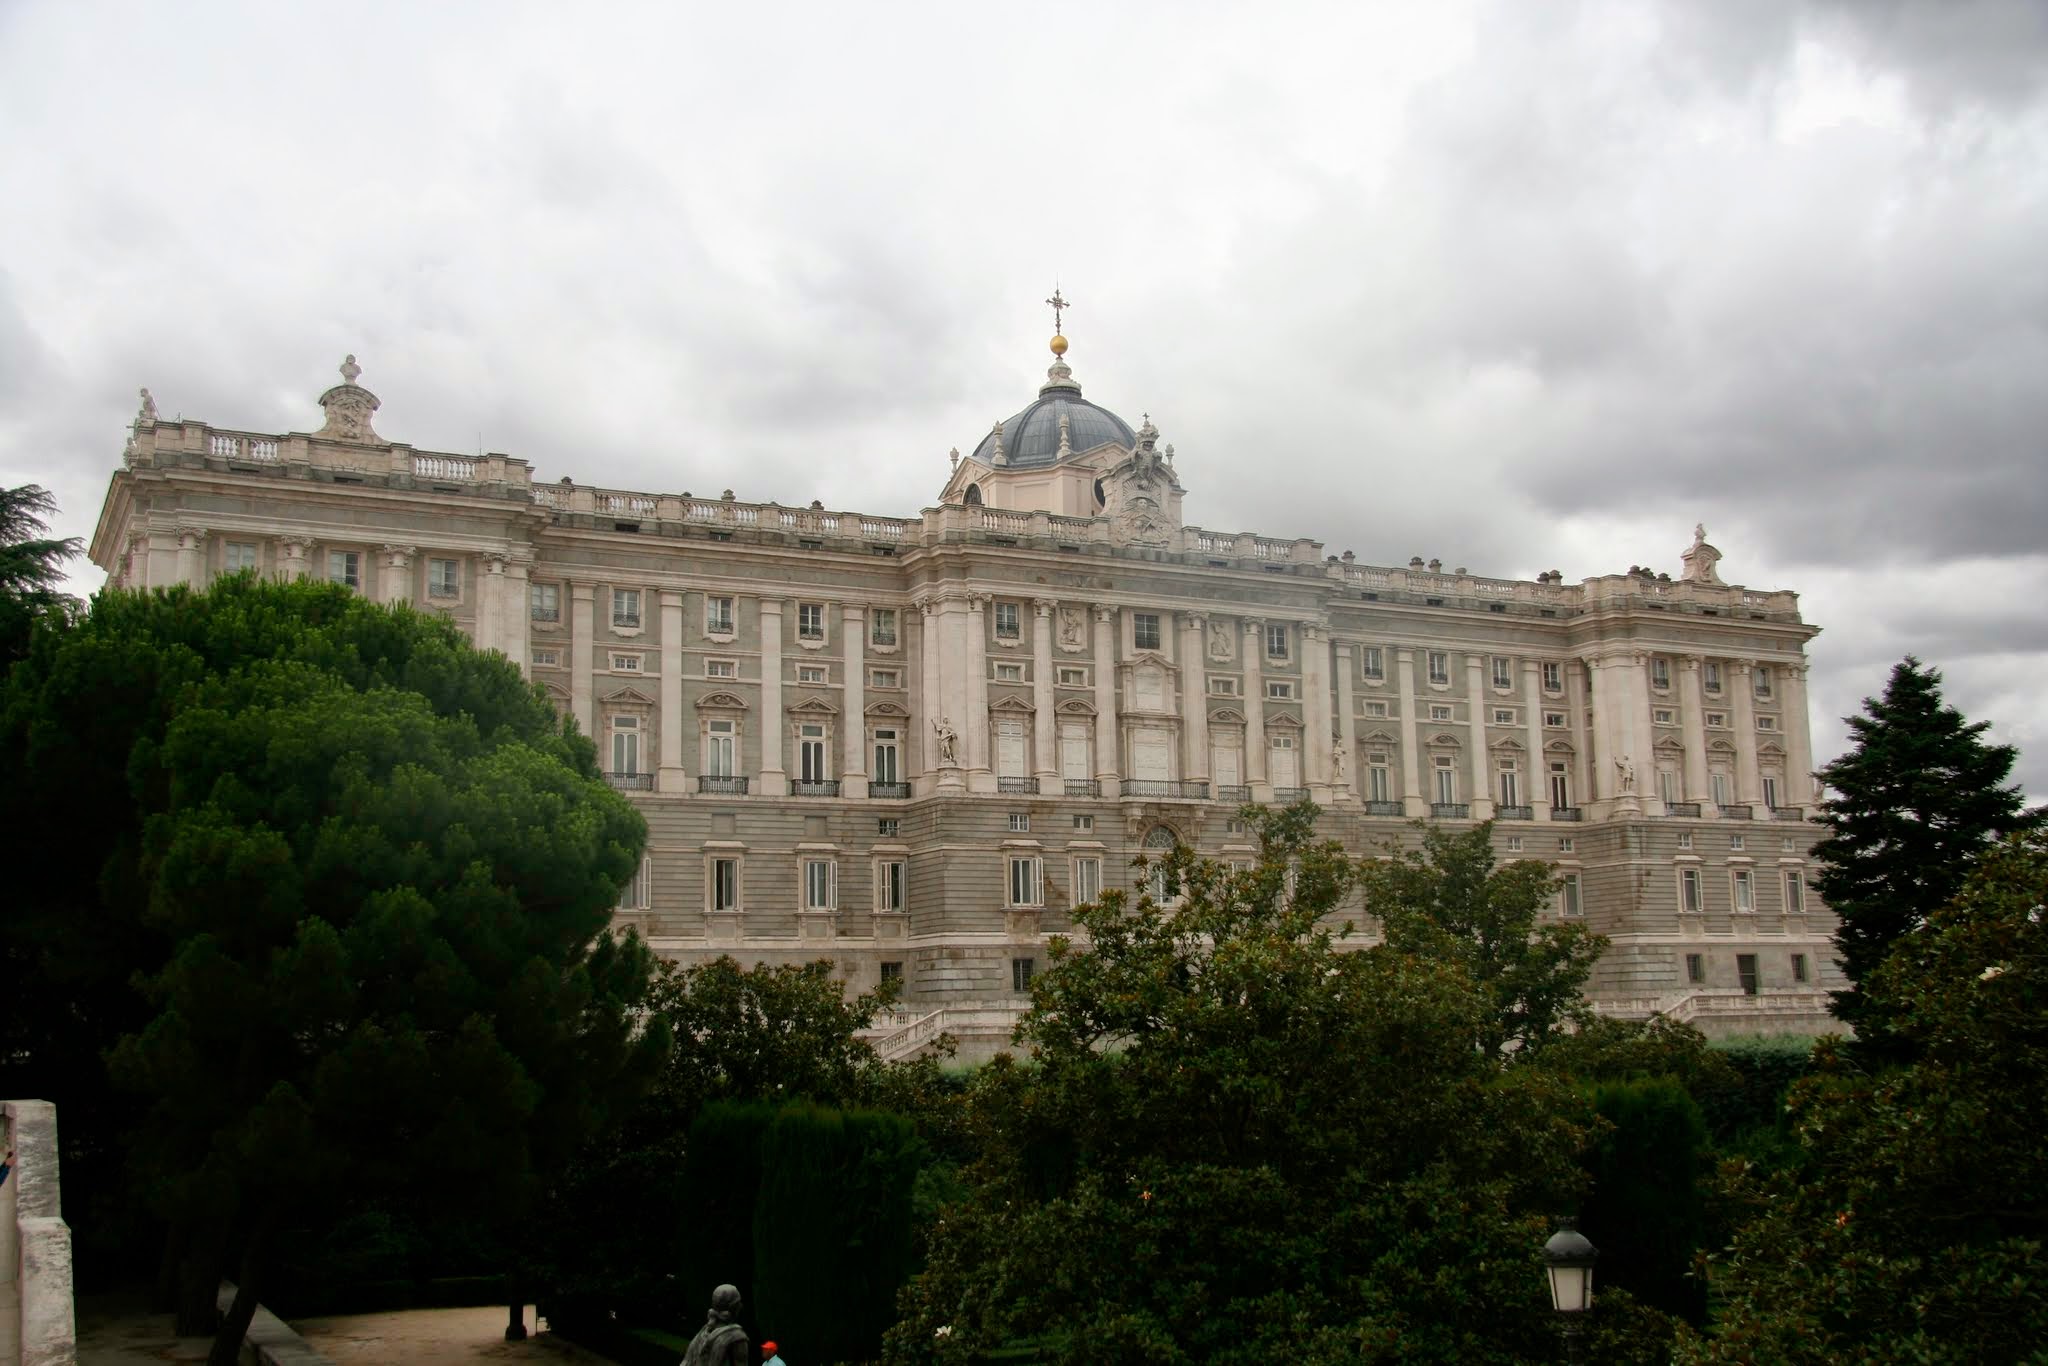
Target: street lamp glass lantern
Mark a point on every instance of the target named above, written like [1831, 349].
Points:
[1569, 1257]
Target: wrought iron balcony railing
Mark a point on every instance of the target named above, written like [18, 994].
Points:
[722, 784]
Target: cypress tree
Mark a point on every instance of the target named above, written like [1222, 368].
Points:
[1918, 796]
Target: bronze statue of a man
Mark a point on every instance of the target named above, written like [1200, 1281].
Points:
[721, 1341]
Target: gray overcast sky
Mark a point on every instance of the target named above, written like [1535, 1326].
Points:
[1516, 285]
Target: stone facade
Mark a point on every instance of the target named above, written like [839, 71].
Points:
[909, 744]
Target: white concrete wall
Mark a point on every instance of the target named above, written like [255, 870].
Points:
[36, 1325]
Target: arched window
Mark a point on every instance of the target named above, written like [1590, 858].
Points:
[973, 497]
[1159, 842]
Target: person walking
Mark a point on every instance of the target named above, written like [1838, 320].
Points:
[769, 1356]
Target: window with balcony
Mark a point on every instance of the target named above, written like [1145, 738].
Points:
[544, 601]
[1446, 780]
[1510, 779]
[1276, 640]
[813, 751]
[1667, 785]
[1660, 673]
[1560, 784]
[810, 621]
[882, 626]
[1439, 667]
[888, 769]
[1379, 780]
[1503, 672]
[241, 555]
[625, 745]
[1553, 676]
[1009, 622]
[718, 616]
[721, 749]
[345, 567]
[1145, 630]
[626, 608]
[1373, 662]
[444, 579]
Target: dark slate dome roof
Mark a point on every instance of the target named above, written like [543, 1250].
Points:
[1031, 439]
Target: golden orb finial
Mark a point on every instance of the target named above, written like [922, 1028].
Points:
[1058, 344]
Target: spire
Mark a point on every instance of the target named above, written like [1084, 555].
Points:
[1058, 376]
[997, 457]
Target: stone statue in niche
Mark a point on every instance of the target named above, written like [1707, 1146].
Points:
[1340, 766]
[1625, 774]
[1073, 626]
[1220, 645]
[949, 741]
[721, 1341]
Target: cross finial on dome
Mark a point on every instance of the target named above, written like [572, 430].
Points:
[1058, 305]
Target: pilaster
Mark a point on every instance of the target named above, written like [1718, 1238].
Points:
[853, 722]
[394, 573]
[1107, 764]
[1315, 710]
[1536, 770]
[980, 776]
[293, 554]
[1344, 767]
[1798, 739]
[669, 775]
[192, 556]
[582, 629]
[1478, 699]
[1194, 696]
[1411, 735]
[1256, 775]
[1044, 721]
[1692, 719]
[1748, 784]
[774, 778]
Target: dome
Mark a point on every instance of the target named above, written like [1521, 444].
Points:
[1031, 439]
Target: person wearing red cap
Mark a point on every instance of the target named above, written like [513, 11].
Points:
[768, 1352]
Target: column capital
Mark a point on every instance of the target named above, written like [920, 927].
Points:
[496, 561]
[852, 611]
[1253, 626]
[1691, 663]
[1313, 630]
[978, 600]
[1195, 621]
[191, 535]
[1743, 666]
[1043, 607]
[1105, 614]
[294, 546]
[398, 556]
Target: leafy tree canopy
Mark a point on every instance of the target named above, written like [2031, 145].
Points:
[31, 566]
[1448, 902]
[363, 875]
[1235, 1141]
[1919, 794]
[1913, 1227]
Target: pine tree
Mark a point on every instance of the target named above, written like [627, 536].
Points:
[31, 566]
[1916, 799]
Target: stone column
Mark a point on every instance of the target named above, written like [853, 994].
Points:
[853, 747]
[490, 604]
[1256, 774]
[1536, 770]
[1108, 763]
[1194, 696]
[774, 778]
[517, 616]
[1798, 739]
[293, 552]
[1411, 735]
[1578, 684]
[394, 573]
[1344, 776]
[1044, 720]
[582, 629]
[192, 557]
[134, 572]
[1480, 699]
[929, 705]
[1315, 710]
[669, 776]
[1600, 686]
[1748, 784]
[1692, 720]
[1644, 731]
[980, 776]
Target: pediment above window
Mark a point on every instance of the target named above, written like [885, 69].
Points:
[628, 696]
[722, 701]
[1011, 703]
[896, 709]
[813, 706]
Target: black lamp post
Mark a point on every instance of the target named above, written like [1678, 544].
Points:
[1569, 1257]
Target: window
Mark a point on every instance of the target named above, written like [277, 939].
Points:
[718, 616]
[882, 626]
[626, 607]
[1234, 826]
[1799, 967]
[1223, 687]
[1074, 751]
[1710, 675]
[1280, 691]
[1718, 780]
[1021, 970]
[1503, 672]
[626, 664]
[1145, 630]
[1718, 719]
[444, 579]
[721, 668]
[1446, 780]
[810, 621]
[1514, 844]
[345, 567]
[1745, 891]
[888, 827]
[1071, 677]
[1009, 673]
[725, 884]
[1554, 720]
[810, 673]
[1660, 673]
[1568, 896]
[818, 884]
[1012, 738]
[1510, 787]
[1377, 709]
[812, 750]
[1087, 880]
[1737, 843]
[1439, 713]
[1553, 676]
[546, 657]
[1024, 880]
[633, 896]
[1696, 968]
[1745, 972]
[1084, 824]
[1771, 791]
[1567, 844]
[1373, 662]
[1685, 839]
[885, 678]
[1664, 716]
[1761, 680]
[887, 767]
[1560, 783]
[625, 744]
[1795, 893]
[1439, 667]
[892, 971]
[1379, 780]
[240, 555]
[1008, 625]
[1503, 716]
[719, 745]
[889, 885]
[544, 601]
[1020, 822]
[1689, 891]
[1276, 640]
[1667, 785]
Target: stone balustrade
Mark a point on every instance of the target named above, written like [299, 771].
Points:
[187, 442]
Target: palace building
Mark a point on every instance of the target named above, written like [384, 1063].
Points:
[910, 744]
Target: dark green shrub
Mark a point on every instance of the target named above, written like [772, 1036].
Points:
[1646, 1213]
[1766, 1067]
[721, 1178]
